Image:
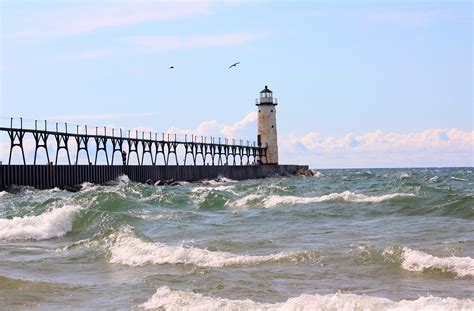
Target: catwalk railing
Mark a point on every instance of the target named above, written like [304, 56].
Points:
[134, 147]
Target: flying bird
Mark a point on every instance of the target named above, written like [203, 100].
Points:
[233, 65]
[172, 67]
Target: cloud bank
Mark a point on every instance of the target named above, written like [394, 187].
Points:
[429, 147]
[84, 19]
[426, 148]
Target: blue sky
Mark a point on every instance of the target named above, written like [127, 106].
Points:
[359, 83]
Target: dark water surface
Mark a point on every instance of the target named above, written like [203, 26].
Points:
[356, 239]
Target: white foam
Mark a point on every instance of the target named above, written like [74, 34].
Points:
[225, 179]
[418, 261]
[404, 175]
[123, 179]
[317, 173]
[347, 196]
[127, 249]
[457, 178]
[48, 225]
[3, 193]
[218, 181]
[216, 188]
[244, 201]
[168, 299]
[87, 185]
[147, 215]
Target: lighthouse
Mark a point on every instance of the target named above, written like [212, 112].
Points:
[267, 129]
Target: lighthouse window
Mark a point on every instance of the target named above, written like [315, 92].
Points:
[273, 126]
[259, 111]
[271, 110]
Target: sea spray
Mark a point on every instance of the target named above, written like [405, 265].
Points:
[168, 299]
[346, 196]
[414, 260]
[127, 249]
[52, 224]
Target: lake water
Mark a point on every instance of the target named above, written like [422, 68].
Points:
[369, 239]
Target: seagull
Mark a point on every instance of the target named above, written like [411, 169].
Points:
[172, 67]
[233, 65]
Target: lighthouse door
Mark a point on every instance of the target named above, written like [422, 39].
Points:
[259, 140]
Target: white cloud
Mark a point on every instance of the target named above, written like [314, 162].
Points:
[430, 147]
[90, 18]
[232, 131]
[213, 128]
[161, 43]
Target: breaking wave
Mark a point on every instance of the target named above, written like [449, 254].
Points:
[168, 299]
[418, 261]
[346, 196]
[52, 224]
[127, 249]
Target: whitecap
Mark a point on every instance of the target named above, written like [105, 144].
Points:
[86, 186]
[347, 196]
[458, 179]
[244, 201]
[168, 299]
[414, 260]
[123, 179]
[317, 173]
[215, 188]
[225, 179]
[52, 224]
[218, 181]
[127, 249]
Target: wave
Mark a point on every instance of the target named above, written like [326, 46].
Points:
[414, 260]
[127, 249]
[214, 188]
[251, 198]
[52, 224]
[168, 299]
[218, 181]
[85, 186]
[346, 196]
[123, 179]
[404, 175]
[458, 179]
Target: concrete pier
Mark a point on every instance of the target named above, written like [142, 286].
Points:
[50, 176]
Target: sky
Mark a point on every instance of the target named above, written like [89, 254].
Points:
[358, 83]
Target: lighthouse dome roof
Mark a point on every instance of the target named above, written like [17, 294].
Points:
[266, 90]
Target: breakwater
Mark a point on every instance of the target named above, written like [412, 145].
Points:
[50, 176]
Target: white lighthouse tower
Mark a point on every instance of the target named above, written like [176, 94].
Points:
[267, 129]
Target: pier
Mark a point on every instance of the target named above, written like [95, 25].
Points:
[63, 155]
[185, 149]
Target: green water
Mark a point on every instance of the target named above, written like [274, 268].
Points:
[356, 239]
